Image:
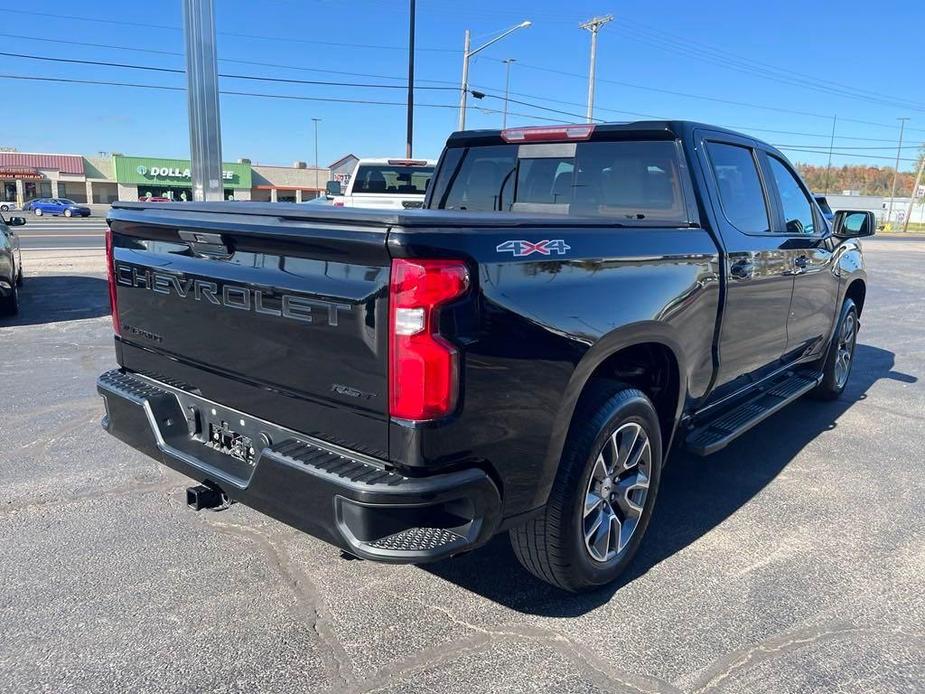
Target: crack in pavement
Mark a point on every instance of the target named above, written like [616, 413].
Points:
[781, 644]
[601, 671]
[306, 595]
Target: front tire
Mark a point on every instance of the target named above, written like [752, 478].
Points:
[37, 212]
[9, 306]
[840, 358]
[603, 495]
[68, 213]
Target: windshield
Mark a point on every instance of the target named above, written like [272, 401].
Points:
[627, 180]
[388, 179]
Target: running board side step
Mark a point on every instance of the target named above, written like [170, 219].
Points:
[713, 435]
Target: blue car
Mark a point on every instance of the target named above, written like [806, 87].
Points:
[56, 206]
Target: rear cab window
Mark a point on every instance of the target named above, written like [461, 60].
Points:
[392, 179]
[629, 181]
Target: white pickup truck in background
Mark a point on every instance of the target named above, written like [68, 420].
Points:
[386, 183]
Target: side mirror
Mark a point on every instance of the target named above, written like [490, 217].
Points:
[16, 221]
[333, 188]
[853, 224]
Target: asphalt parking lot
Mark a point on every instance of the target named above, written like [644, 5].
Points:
[794, 561]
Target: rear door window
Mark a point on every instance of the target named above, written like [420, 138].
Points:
[795, 203]
[626, 180]
[740, 191]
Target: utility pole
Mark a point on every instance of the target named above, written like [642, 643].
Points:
[899, 149]
[316, 121]
[409, 138]
[507, 86]
[593, 25]
[915, 189]
[828, 166]
[205, 133]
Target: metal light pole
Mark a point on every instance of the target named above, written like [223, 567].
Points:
[316, 121]
[593, 25]
[899, 149]
[507, 86]
[410, 132]
[205, 131]
[467, 53]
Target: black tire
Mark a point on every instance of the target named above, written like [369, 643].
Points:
[9, 306]
[19, 278]
[553, 545]
[835, 370]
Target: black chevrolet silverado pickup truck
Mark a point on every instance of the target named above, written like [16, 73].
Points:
[519, 356]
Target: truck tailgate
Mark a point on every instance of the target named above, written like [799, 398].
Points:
[282, 318]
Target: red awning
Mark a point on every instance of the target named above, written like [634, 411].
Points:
[65, 163]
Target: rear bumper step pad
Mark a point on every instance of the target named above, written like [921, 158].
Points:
[346, 498]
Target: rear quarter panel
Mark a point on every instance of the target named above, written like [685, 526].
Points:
[534, 328]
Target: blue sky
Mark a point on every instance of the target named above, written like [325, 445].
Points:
[782, 66]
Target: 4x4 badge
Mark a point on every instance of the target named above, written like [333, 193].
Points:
[520, 247]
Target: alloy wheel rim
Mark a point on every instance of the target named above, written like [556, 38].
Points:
[616, 492]
[845, 349]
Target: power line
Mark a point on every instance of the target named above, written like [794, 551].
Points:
[815, 82]
[178, 71]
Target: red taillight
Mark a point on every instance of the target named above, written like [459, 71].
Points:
[543, 133]
[111, 272]
[407, 162]
[423, 367]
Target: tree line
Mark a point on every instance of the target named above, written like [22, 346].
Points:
[868, 180]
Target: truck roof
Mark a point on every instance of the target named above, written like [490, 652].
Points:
[667, 129]
[395, 160]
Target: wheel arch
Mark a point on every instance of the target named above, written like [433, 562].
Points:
[857, 292]
[627, 355]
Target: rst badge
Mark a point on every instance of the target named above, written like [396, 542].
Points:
[520, 247]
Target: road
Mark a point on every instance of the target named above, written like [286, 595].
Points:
[792, 562]
[60, 232]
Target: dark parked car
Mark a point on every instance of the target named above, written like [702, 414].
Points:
[824, 207]
[57, 206]
[10, 265]
[522, 355]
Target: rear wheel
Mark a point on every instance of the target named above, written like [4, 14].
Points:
[840, 357]
[603, 495]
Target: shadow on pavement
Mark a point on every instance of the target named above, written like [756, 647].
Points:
[56, 298]
[696, 495]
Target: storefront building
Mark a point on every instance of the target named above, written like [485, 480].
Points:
[142, 177]
[24, 176]
[296, 183]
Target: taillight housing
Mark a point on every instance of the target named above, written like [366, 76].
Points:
[111, 274]
[547, 133]
[423, 366]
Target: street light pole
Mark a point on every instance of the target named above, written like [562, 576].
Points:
[410, 130]
[468, 53]
[593, 25]
[507, 87]
[205, 132]
[899, 149]
[316, 121]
